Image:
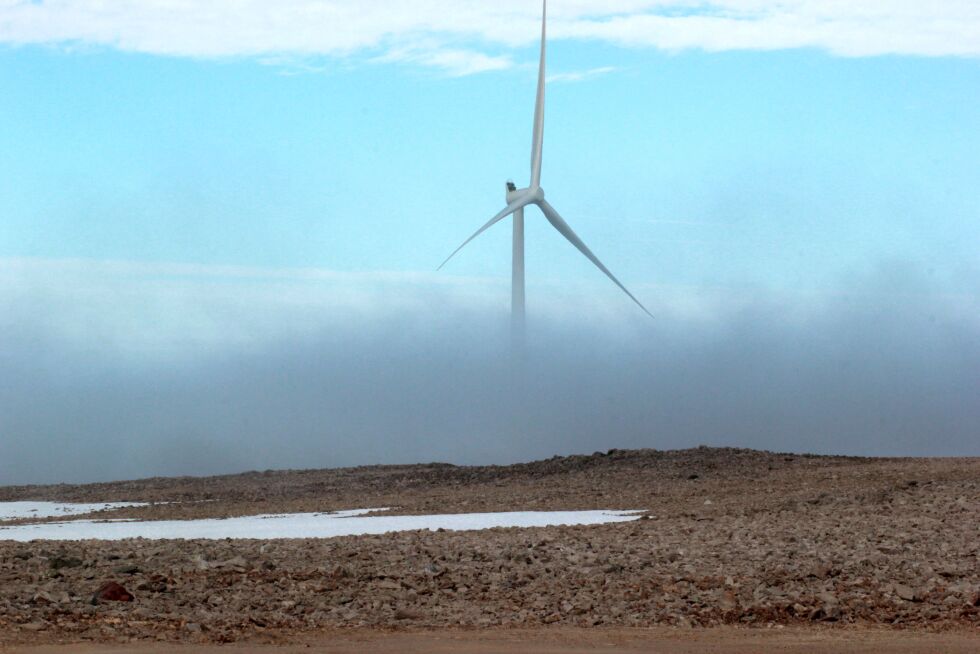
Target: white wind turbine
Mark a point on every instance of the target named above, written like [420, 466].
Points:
[517, 199]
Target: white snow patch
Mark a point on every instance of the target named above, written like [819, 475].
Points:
[20, 510]
[303, 525]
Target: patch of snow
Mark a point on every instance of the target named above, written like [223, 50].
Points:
[19, 510]
[304, 525]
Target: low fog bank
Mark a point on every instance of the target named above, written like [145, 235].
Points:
[283, 378]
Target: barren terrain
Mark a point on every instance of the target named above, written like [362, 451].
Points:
[821, 547]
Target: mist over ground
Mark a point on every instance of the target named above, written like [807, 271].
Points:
[114, 370]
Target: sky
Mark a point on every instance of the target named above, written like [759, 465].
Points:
[220, 223]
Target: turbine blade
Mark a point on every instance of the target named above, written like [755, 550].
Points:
[537, 144]
[509, 209]
[558, 223]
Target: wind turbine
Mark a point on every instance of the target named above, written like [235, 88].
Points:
[517, 199]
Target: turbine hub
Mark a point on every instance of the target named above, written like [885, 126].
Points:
[515, 194]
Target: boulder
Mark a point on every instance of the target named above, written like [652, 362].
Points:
[112, 592]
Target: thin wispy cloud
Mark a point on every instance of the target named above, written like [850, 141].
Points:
[465, 38]
[452, 61]
[581, 75]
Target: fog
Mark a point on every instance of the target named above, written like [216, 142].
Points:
[123, 372]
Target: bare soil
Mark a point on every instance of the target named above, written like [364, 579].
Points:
[846, 551]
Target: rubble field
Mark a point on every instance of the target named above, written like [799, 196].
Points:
[728, 538]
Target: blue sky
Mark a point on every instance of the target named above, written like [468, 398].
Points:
[223, 218]
[783, 167]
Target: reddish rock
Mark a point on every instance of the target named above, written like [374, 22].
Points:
[405, 614]
[112, 592]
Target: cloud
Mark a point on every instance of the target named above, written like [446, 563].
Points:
[850, 29]
[464, 38]
[452, 61]
[117, 370]
[581, 75]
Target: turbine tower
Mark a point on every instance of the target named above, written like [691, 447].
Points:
[517, 199]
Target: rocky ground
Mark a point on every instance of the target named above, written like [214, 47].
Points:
[731, 537]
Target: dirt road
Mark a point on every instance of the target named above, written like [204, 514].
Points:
[572, 641]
